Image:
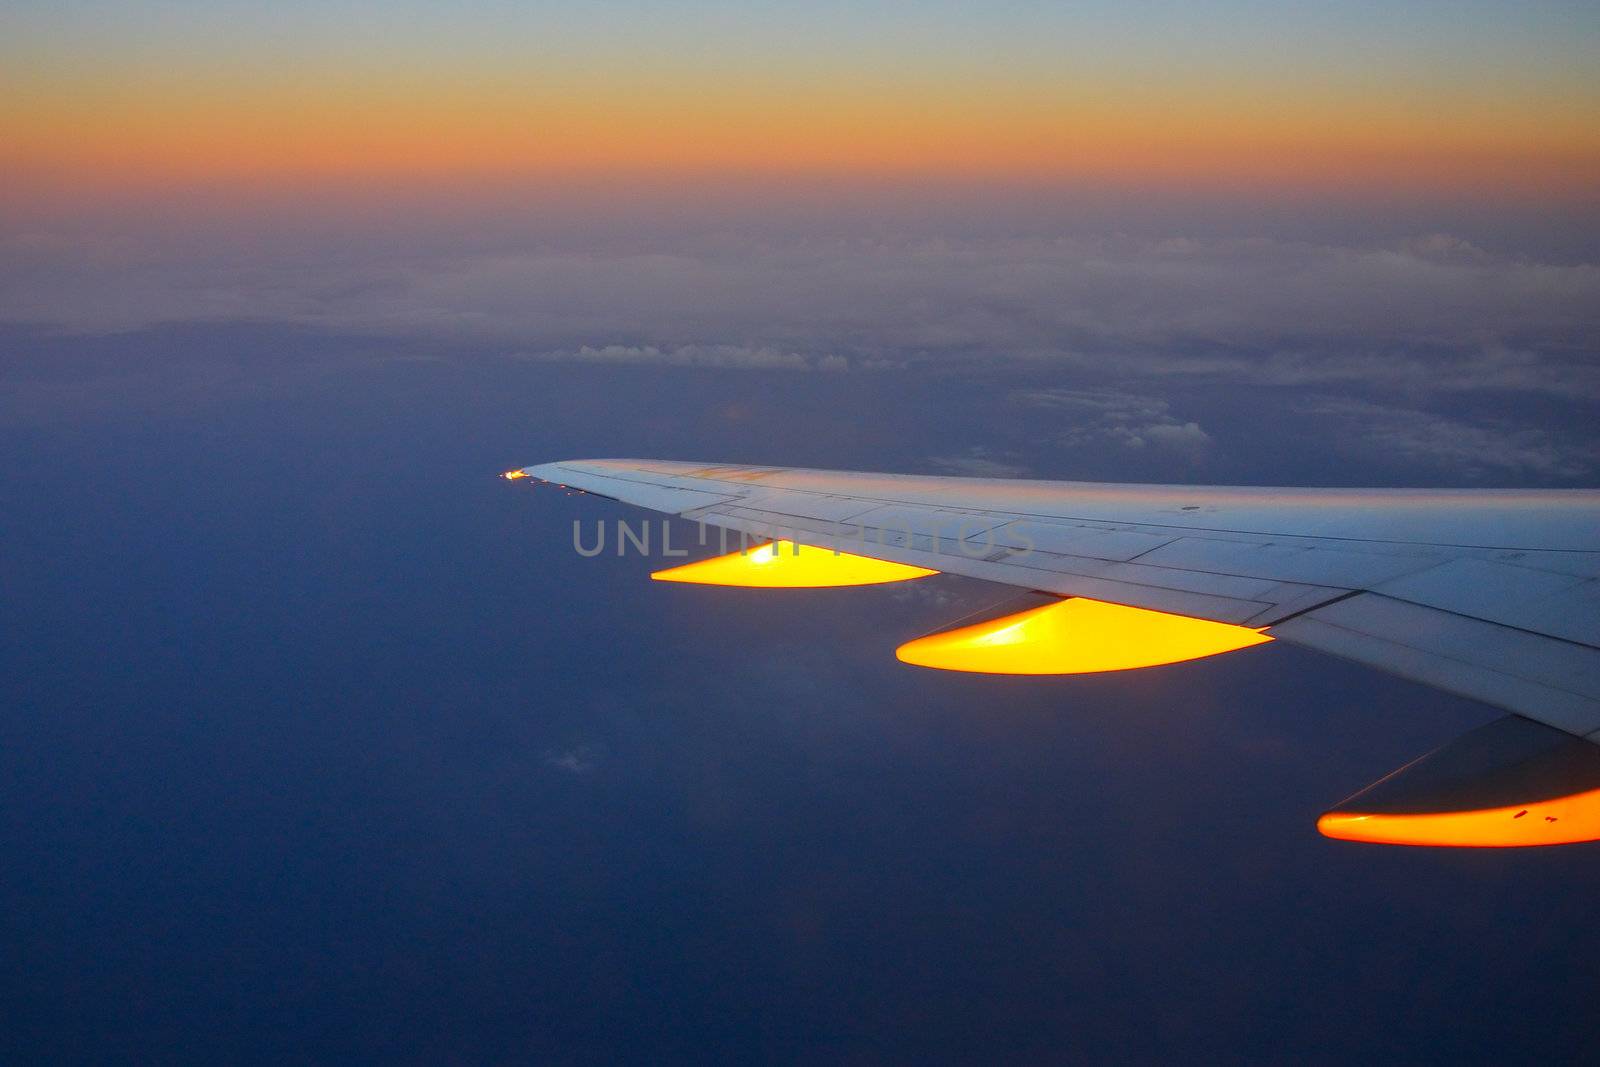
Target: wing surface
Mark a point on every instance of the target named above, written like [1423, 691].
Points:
[1491, 594]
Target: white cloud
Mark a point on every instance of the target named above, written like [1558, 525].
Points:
[1470, 451]
[1183, 436]
[1130, 419]
[580, 760]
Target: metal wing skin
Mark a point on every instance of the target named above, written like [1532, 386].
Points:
[1491, 594]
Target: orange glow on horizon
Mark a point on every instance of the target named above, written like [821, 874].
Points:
[407, 132]
[785, 565]
[1076, 636]
[1559, 821]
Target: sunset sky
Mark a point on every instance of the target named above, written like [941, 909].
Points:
[1490, 97]
[1330, 185]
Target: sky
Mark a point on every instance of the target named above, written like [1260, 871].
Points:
[319, 742]
[1488, 97]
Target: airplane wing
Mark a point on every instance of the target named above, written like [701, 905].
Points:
[1490, 594]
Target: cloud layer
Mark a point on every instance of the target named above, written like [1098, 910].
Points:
[1430, 313]
[1469, 451]
[1115, 345]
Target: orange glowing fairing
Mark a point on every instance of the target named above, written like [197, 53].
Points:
[1513, 782]
[1076, 636]
[1560, 821]
[786, 565]
[512, 476]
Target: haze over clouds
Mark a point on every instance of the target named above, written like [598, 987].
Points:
[1429, 351]
[1433, 312]
[1495, 447]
